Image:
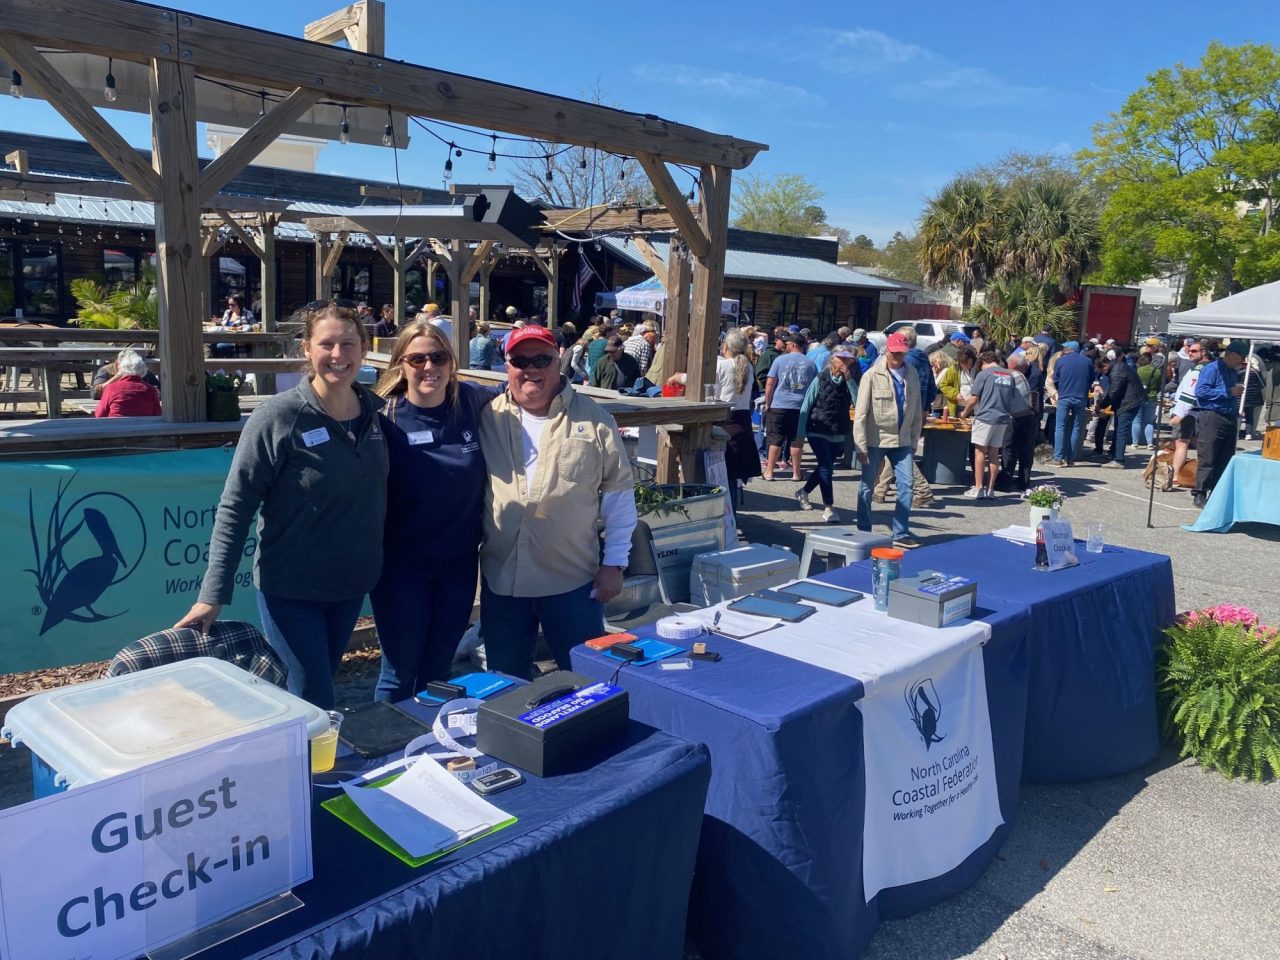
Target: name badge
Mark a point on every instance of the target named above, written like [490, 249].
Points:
[316, 436]
[419, 437]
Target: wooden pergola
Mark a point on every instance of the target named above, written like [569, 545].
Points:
[175, 47]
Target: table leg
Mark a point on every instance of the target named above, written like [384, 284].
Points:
[53, 392]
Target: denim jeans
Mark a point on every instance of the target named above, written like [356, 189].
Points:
[421, 616]
[1144, 424]
[510, 626]
[309, 636]
[825, 452]
[900, 458]
[1070, 424]
[1124, 427]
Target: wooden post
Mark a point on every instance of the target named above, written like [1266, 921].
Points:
[178, 249]
[675, 350]
[708, 288]
[432, 267]
[323, 289]
[267, 248]
[553, 288]
[459, 257]
[401, 270]
[486, 271]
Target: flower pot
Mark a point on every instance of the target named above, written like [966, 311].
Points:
[1042, 513]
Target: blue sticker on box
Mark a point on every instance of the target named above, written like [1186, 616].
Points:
[552, 713]
[945, 586]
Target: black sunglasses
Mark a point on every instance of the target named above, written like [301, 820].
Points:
[336, 301]
[438, 358]
[539, 362]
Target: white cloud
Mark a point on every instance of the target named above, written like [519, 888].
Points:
[966, 86]
[738, 86]
[864, 51]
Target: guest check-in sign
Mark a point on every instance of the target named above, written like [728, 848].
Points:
[1060, 544]
[116, 868]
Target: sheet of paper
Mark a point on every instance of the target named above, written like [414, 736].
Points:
[419, 836]
[431, 790]
[1016, 534]
[731, 624]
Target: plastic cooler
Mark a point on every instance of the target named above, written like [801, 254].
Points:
[737, 572]
[89, 732]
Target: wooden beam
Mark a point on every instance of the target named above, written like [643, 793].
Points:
[212, 242]
[644, 220]
[708, 281]
[419, 248]
[254, 140]
[266, 382]
[675, 328]
[19, 161]
[410, 198]
[381, 247]
[398, 289]
[690, 227]
[486, 271]
[371, 31]
[323, 288]
[654, 261]
[459, 255]
[245, 236]
[334, 253]
[178, 273]
[478, 256]
[553, 289]
[362, 24]
[75, 109]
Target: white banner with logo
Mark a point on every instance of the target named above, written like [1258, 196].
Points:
[931, 797]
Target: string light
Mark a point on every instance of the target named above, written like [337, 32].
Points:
[550, 174]
[15, 85]
[448, 163]
[344, 131]
[388, 134]
[262, 109]
[493, 153]
[109, 89]
[622, 171]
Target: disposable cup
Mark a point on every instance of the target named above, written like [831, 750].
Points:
[1093, 537]
[324, 748]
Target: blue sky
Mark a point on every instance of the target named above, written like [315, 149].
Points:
[878, 104]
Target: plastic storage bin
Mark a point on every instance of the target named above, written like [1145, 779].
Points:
[92, 731]
[737, 572]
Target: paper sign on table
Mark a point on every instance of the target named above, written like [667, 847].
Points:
[1059, 543]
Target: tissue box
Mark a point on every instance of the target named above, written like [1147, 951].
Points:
[932, 599]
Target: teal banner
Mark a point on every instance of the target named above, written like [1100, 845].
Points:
[96, 552]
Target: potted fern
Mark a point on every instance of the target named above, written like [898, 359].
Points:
[1219, 680]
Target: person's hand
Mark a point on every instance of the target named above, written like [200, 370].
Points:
[202, 615]
[607, 583]
[1237, 390]
[863, 458]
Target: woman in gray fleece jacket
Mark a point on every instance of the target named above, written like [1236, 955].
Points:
[314, 461]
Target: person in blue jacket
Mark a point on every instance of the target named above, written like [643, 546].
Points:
[1218, 393]
[435, 491]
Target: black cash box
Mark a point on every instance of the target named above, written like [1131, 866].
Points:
[547, 726]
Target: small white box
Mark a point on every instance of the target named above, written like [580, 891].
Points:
[735, 573]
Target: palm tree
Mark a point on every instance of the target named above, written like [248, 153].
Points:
[1015, 307]
[958, 235]
[1049, 232]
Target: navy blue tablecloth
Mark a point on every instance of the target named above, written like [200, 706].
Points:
[599, 864]
[1091, 704]
[780, 861]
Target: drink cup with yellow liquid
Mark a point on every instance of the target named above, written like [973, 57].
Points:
[324, 748]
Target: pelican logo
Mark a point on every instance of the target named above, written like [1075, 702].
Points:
[82, 549]
[466, 436]
[926, 710]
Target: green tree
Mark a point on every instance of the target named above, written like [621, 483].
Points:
[864, 242]
[901, 258]
[1049, 231]
[787, 203]
[1191, 167]
[958, 235]
[1016, 307]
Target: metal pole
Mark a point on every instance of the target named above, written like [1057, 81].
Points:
[1245, 383]
[1155, 464]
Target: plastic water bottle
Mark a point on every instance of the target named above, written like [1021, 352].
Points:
[886, 566]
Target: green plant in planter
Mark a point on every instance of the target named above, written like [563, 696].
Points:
[1046, 495]
[1219, 679]
[665, 500]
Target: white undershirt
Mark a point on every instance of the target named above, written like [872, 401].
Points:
[531, 428]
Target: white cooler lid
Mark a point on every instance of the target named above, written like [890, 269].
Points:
[752, 562]
[95, 730]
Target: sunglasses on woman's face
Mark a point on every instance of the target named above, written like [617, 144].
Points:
[438, 358]
[336, 301]
[539, 362]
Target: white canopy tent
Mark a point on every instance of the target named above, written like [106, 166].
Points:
[1252, 314]
[650, 296]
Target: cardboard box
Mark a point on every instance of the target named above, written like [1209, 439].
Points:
[1271, 443]
[932, 599]
[546, 738]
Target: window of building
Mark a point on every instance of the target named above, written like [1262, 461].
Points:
[786, 306]
[824, 309]
[352, 281]
[126, 264]
[746, 304]
[8, 294]
[41, 268]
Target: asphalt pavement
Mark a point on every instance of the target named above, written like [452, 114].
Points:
[1169, 862]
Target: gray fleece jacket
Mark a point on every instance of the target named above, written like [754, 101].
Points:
[323, 499]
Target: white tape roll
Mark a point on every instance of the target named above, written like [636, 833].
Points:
[679, 628]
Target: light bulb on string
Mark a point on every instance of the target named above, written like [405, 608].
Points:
[622, 171]
[344, 131]
[15, 85]
[388, 134]
[582, 161]
[448, 163]
[550, 174]
[262, 105]
[109, 85]
[493, 153]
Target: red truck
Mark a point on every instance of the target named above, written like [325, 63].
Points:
[1109, 313]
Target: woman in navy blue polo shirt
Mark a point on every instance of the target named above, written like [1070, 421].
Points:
[435, 491]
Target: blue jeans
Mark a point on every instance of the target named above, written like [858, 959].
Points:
[1144, 424]
[900, 458]
[510, 626]
[1125, 419]
[820, 476]
[309, 636]
[1070, 423]
[421, 616]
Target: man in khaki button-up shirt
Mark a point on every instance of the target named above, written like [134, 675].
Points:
[558, 478]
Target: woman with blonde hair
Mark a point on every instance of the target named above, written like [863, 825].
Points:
[435, 491]
[314, 459]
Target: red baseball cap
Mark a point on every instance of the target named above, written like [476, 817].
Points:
[531, 333]
[896, 343]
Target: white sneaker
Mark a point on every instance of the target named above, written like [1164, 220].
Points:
[829, 515]
[975, 493]
[803, 499]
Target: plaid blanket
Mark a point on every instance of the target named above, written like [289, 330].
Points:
[231, 640]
